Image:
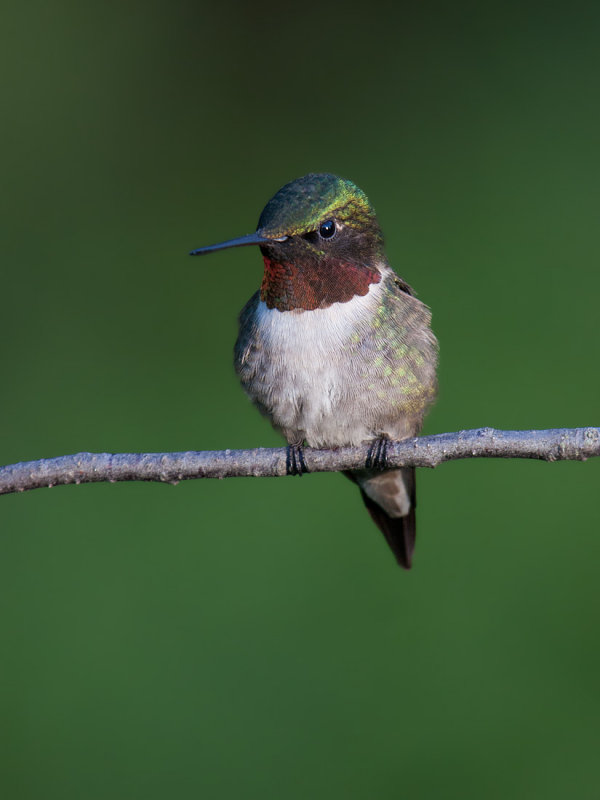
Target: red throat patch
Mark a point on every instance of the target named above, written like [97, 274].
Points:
[289, 286]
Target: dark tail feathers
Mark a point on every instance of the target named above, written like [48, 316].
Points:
[399, 532]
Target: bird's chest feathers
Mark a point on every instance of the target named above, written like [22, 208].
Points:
[302, 362]
[311, 285]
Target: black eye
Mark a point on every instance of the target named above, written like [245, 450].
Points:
[327, 229]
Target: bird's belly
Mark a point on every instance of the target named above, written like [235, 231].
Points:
[298, 368]
[309, 399]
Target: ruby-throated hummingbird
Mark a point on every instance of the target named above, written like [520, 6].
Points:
[334, 348]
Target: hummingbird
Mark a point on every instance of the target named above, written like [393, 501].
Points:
[335, 348]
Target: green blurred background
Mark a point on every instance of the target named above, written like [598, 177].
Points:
[254, 638]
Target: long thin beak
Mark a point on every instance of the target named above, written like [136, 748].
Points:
[243, 241]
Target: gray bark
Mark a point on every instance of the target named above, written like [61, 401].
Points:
[573, 444]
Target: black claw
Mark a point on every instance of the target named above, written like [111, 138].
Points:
[377, 454]
[384, 451]
[303, 466]
[294, 460]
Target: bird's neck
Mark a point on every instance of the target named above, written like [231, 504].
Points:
[288, 286]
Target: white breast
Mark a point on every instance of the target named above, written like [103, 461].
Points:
[300, 376]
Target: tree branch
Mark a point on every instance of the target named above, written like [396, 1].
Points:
[572, 444]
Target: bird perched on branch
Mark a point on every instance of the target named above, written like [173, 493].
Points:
[334, 348]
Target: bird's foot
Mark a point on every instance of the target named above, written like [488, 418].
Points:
[294, 460]
[377, 454]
